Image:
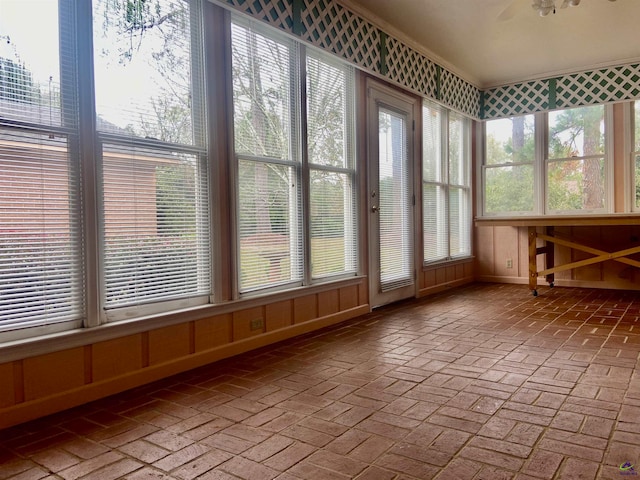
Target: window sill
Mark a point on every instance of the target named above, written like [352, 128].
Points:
[447, 263]
[80, 337]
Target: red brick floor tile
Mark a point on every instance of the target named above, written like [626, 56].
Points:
[89, 466]
[305, 470]
[339, 463]
[482, 382]
[543, 464]
[375, 473]
[179, 458]
[402, 464]
[147, 473]
[575, 469]
[197, 467]
[290, 456]
[55, 460]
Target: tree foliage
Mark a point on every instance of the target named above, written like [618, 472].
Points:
[575, 173]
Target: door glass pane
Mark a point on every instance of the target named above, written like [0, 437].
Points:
[395, 217]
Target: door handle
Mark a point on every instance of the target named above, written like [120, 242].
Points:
[375, 209]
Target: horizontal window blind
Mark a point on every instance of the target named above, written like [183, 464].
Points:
[446, 188]
[40, 248]
[154, 176]
[396, 235]
[459, 222]
[434, 192]
[330, 132]
[436, 236]
[266, 102]
[155, 226]
[333, 248]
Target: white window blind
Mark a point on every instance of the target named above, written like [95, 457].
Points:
[150, 120]
[446, 185]
[395, 193]
[459, 187]
[41, 269]
[40, 254]
[330, 93]
[266, 106]
[636, 154]
[434, 178]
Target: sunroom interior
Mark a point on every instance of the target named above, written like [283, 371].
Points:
[185, 181]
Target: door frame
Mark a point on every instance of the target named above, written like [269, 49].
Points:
[377, 93]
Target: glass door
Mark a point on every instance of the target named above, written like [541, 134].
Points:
[391, 195]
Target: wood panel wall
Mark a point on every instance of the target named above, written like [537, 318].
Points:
[38, 385]
[497, 245]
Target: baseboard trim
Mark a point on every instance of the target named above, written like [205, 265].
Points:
[30, 410]
[444, 286]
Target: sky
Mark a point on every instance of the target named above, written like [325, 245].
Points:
[19, 19]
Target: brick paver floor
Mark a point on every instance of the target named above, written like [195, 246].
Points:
[481, 382]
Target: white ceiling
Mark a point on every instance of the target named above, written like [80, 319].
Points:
[495, 42]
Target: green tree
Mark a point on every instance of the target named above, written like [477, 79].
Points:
[509, 186]
[579, 184]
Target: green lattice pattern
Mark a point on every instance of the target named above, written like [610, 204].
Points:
[517, 99]
[277, 13]
[332, 27]
[410, 68]
[599, 86]
[459, 95]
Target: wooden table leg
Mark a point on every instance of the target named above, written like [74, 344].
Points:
[533, 267]
[549, 258]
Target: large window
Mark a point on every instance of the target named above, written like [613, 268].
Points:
[446, 184]
[41, 264]
[278, 179]
[108, 161]
[635, 153]
[149, 106]
[576, 160]
[507, 174]
[552, 163]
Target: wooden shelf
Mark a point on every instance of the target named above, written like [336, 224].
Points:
[543, 228]
[560, 221]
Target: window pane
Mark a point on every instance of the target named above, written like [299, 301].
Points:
[459, 222]
[508, 189]
[40, 251]
[155, 226]
[458, 155]
[333, 246]
[329, 113]
[637, 181]
[269, 230]
[30, 83]
[432, 143]
[395, 227]
[510, 140]
[636, 123]
[576, 184]
[143, 70]
[436, 240]
[576, 132]
[264, 94]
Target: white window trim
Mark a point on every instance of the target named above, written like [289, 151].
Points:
[445, 114]
[540, 165]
